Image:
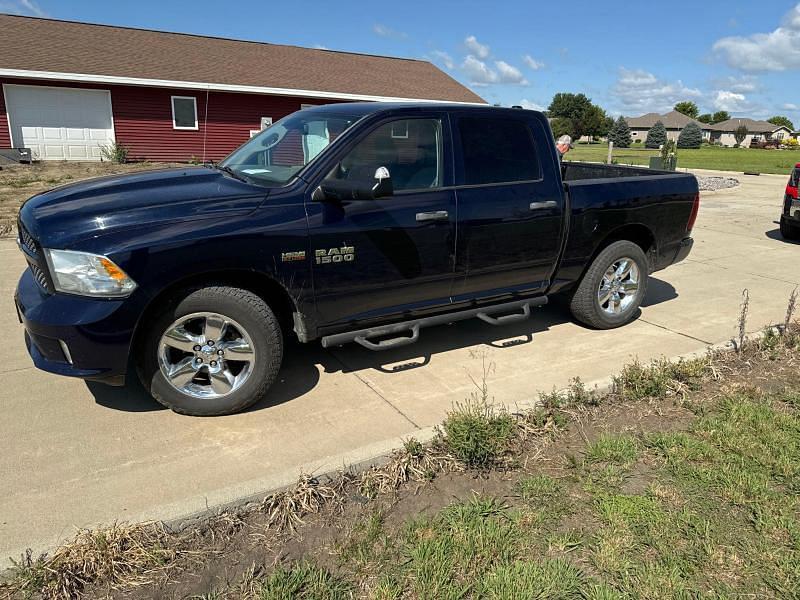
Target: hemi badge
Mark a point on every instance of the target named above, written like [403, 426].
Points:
[293, 256]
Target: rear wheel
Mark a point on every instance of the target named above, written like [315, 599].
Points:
[216, 352]
[789, 231]
[611, 291]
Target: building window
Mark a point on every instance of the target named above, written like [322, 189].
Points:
[634, 133]
[400, 130]
[265, 122]
[184, 112]
[779, 135]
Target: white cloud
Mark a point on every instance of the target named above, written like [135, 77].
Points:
[778, 50]
[388, 32]
[790, 106]
[739, 105]
[530, 105]
[21, 7]
[639, 90]
[509, 74]
[475, 47]
[744, 84]
[729, 101]
[444, 58]
[481, 74]
[478, 71]
[532, 62]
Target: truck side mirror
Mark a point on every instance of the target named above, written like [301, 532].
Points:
[337, 190]
[383, 186]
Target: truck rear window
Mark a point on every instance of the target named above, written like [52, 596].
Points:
[497, 151]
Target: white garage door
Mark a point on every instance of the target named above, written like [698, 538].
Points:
[59, 123]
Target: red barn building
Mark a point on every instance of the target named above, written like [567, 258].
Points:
[71, 88]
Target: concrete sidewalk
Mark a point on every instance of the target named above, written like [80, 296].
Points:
[73, 455]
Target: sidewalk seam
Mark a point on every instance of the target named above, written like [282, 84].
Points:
[374, 390]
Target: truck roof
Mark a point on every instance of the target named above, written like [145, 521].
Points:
[365, 108]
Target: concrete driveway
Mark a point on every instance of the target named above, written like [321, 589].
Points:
[75, 455]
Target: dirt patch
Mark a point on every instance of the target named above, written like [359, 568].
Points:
[19, 182]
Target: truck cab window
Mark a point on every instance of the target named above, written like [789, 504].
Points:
[497, 151]
[411, 149]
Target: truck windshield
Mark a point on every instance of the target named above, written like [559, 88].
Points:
[276, 154]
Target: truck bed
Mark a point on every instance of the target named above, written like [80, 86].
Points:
[572, 172]
[604, 199]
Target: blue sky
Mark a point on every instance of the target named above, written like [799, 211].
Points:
[630, 56]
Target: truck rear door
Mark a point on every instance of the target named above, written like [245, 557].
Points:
[510, 205]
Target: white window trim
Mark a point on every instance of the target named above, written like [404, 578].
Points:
[172, 104]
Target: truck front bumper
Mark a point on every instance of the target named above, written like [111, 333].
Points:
[74, 335]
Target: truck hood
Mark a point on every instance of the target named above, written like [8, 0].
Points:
[68, 214]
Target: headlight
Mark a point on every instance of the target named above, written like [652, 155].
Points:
[87, 274]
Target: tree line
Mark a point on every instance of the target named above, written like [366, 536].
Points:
[576, 115]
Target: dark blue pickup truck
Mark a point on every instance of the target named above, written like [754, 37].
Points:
[359, 222]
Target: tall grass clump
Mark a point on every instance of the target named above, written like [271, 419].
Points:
[476, 433]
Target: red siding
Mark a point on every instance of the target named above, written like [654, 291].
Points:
[5, 133]
[143, 120]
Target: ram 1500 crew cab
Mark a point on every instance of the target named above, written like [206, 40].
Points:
[362, 222]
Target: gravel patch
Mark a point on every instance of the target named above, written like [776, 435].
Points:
[710, 184]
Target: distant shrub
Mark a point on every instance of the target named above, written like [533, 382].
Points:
[740, 134]
[620, 134]
[657, 136]
[115, 152]
[691, 136]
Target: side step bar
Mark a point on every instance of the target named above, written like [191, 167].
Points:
[485, 313]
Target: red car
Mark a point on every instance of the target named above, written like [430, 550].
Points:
[790, 218]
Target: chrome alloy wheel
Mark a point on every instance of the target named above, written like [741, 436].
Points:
[206, 355]
[618, 287]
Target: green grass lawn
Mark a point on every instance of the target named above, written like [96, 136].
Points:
[716, 514]
[723, 159]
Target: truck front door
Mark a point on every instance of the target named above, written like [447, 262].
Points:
[510, 206]
[392, 256]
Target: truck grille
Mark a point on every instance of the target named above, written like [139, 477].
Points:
[35, 257]
[40, 276]
[27, 241]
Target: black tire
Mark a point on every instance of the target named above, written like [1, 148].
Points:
[246, 309]
[789, 231]
[585, 305]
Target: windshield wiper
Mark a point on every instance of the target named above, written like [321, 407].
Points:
[233, 173]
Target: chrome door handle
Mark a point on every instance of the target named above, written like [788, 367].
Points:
[436, 215]
[543, 204]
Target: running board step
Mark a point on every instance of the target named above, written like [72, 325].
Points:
[407, 332]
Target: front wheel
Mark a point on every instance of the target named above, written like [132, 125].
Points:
[215, 352]
[612, 289]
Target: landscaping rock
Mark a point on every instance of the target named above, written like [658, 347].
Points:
[710, 184]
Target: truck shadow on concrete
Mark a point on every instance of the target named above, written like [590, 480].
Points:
[351, 358]
[300, 373]
[298, 376]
